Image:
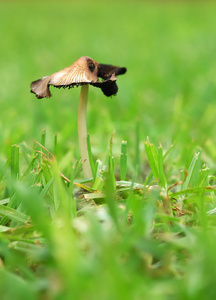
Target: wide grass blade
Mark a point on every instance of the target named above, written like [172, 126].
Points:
[193, 166]
[98, 184]
[5, 201]
[15, 287]
[13, 214]
[63, 200]
[34, 206]
[156, 159]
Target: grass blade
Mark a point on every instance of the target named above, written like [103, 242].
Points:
[123, 160]
[109, 191]
[14, 162]
[46, 188]
[43, 137]
[137, 149]
[111, 163]
[192, 166]
[13, 214]
[91, 160]
[55, 144]
[33, 203]
[152, 158]
[98, 184]
[194, 190]
[162, 178]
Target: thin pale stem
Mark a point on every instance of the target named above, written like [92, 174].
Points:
[82, 131]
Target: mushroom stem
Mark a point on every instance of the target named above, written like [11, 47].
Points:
[82, 131]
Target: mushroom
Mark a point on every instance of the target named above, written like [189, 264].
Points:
[82, 72]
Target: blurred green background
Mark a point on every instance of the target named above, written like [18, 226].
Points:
[169, 90]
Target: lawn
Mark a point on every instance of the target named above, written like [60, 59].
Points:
[145, 226]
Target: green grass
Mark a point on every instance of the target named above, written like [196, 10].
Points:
[145, 227]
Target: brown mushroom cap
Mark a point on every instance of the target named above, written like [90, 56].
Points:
[85, 70]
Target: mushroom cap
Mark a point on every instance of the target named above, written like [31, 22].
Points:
[84, 70]
[106, 71]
